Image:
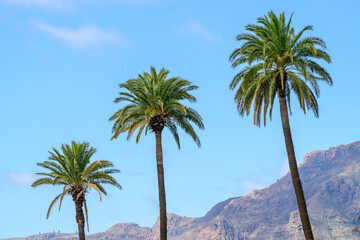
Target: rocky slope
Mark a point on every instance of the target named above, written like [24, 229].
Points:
[331, 181]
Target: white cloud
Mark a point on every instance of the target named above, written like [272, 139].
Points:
[194, 28]
[46, 4]
[284, 168]
[250, 183]
[66, 5]
[123, 1]
[84, 37]
[263, 178]
[23, 179]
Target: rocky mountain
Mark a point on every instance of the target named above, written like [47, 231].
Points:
[331, 182]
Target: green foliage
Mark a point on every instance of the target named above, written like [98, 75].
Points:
[277, 60]
[153, 94]
[72, 169]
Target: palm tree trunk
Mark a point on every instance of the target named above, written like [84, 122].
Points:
[293, 168]
[80, 219]
[161, 184]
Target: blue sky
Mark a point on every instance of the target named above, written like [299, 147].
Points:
[61, 63]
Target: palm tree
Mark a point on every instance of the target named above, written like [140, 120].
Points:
[72, 170]
[153, 102]
[279, 62]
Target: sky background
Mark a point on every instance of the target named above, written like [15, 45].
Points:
[60, 65]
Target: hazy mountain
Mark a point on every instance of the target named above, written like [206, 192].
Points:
[331, 183]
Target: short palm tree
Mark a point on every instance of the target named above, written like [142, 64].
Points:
[73, 170]
[153, 102]
[279, 62]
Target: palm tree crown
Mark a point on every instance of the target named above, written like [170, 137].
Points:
[72, 170]
[154, 101]
[279, 61]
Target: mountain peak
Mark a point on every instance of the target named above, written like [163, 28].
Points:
[333, 152]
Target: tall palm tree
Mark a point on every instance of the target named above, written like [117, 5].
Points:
[279, 62]
[73, 170]
[153, 102]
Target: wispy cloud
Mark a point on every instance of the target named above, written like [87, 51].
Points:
[124, 1]
[262, 179]
[22, 179]
[194, 28]
[250, 183]
[66, 5]
[284, 167]
[46, 4]
[84, 37]
[133, 2]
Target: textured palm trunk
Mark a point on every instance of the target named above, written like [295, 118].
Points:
[161, 184]
[79, 202]
[294, 169]
[80, 219]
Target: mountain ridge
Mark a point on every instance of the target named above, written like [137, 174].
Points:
[331, 185]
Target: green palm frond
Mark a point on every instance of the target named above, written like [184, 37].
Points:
[153, 94]
[71, 168]
[277, 60]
